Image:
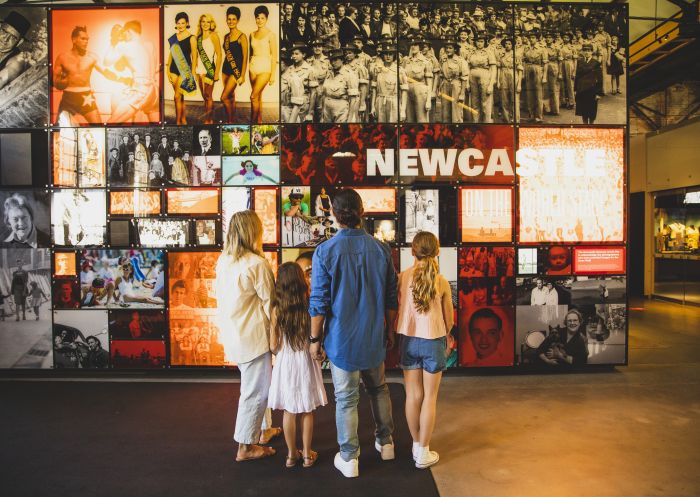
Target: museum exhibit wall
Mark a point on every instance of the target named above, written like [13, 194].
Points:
[130, 134]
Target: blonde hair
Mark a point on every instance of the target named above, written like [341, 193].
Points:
[212, 24]
[424, 285]
[244, 235]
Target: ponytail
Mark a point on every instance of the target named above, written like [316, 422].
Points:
[424, 285]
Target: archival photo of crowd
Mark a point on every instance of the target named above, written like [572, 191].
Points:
[130, 135]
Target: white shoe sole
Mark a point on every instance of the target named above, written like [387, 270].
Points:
[427, 464]
[346, 472]
[390, 456]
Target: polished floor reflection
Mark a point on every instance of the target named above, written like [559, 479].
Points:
[631, 432]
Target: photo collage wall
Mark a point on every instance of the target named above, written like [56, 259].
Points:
[129, 136]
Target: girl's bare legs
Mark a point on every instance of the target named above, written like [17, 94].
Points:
[431, 385]
[307, 432]
[228, 97]
[289, 426]
[258, 83]
[413, 379]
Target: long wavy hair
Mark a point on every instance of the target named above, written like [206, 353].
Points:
[290, 301]
[424, 285]
[244, 235]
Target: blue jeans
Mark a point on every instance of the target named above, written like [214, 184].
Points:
[347, 397]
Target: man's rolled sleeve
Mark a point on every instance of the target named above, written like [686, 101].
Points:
[320, 298]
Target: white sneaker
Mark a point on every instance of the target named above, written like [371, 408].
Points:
[414, 450]
[426, 458]
[386, 450]
[350, 469]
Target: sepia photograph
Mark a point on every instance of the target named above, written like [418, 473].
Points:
[79, 157]
[24, 91]
[486, 214]
[221, 63]
[106, 66]
[384, 230]
[574, 60]
[191, 201]
[376, 200]
[25, 309]
[134, 203]
[24, 158]
[25, 219]
[486, 262]
[80, 340]
[580, 197]
[64, 264]
[205, 232]
[78, 217]
[114, 279]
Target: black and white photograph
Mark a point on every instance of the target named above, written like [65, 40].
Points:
[120, 233]
[24, 89]
[422, 212]
[78, 217]
[205, 167]
[339, 63]
[460, 62]
[149, 155]
[25, 219]
[566, 336]
[79, 157]
[574, 61]
[162, 232]
[136, 325]
[117, 279]
[599, 290]
[80, 340]
[544, 291]
[25, 308]
[527, 260]
[234, 199]
[66, 293]
[24, 158]
[205, 232]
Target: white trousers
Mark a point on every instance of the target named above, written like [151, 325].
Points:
[256, 376]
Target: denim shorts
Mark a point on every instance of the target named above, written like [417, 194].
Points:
[423, 353]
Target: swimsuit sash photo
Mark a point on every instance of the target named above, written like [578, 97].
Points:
[230, 58]
[187, 81]
[209, 77]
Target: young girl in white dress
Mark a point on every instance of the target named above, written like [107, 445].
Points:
[297, 383]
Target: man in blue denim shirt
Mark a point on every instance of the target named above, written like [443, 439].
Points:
[354, 289]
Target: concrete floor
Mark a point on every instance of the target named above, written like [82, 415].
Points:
[631, 432]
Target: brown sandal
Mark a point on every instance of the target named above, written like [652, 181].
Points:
[311, 459]
[292, 461]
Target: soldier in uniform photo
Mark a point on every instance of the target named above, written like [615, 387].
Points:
[510, 75]
[353, 64]
[535, 61]
[321, 67]
[291, 90]
[302, 70]
[482, 77]
[389, 92]
[454, 84]
[568, 55]
[554, 74]
[339, 92]
[419, 74]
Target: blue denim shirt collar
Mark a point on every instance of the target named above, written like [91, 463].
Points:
[351, 232]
